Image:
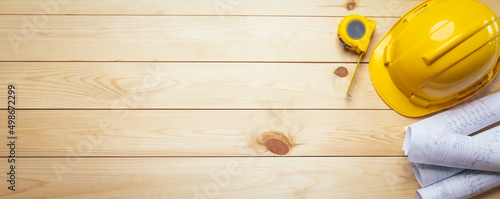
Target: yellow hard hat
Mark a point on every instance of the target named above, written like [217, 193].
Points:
[437, 55]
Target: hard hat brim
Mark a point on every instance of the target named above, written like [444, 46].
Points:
[390, 93]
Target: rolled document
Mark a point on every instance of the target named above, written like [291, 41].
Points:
[453, 150]
[428, 174]
[466, 184]
[464, 120]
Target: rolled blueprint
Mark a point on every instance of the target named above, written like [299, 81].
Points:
[454, 150]
[464, 119]
[428, 174]
[466, 184]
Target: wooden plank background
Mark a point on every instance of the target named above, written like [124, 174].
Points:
[226, 133]
[170, 99]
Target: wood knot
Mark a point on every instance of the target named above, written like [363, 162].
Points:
[351, 5]
[341, 71]
[275, 142]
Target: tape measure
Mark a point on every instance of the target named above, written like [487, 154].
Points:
[355, 32]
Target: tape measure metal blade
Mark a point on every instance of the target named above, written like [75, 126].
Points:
[354, 33]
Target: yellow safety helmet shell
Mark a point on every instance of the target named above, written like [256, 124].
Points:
[437, 55]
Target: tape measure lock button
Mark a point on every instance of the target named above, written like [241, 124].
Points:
[343, 43]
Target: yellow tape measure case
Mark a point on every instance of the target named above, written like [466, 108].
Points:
[355, 32]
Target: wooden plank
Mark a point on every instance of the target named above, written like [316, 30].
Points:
[391, 8]
[177, 38]
[182, 85]
[189, 178]
[217, 7]
[492, 194]
[93, 85]
[292, 177]
[208, 132]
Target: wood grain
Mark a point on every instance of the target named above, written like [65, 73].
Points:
[293, 177]
[206, 132]
[188, 85]
[93, 85]
[177, 38]
[387, 8]
[153, 98]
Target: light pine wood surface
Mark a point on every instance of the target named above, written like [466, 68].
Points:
[241, 177]
[328, 8]
[217, 132]
[198, 99]
[178, 38]
[189, 85]
[137, 85]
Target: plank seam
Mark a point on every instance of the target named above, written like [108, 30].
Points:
[191, 15]
[250, 62]
[151, 157]
[193, 109]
